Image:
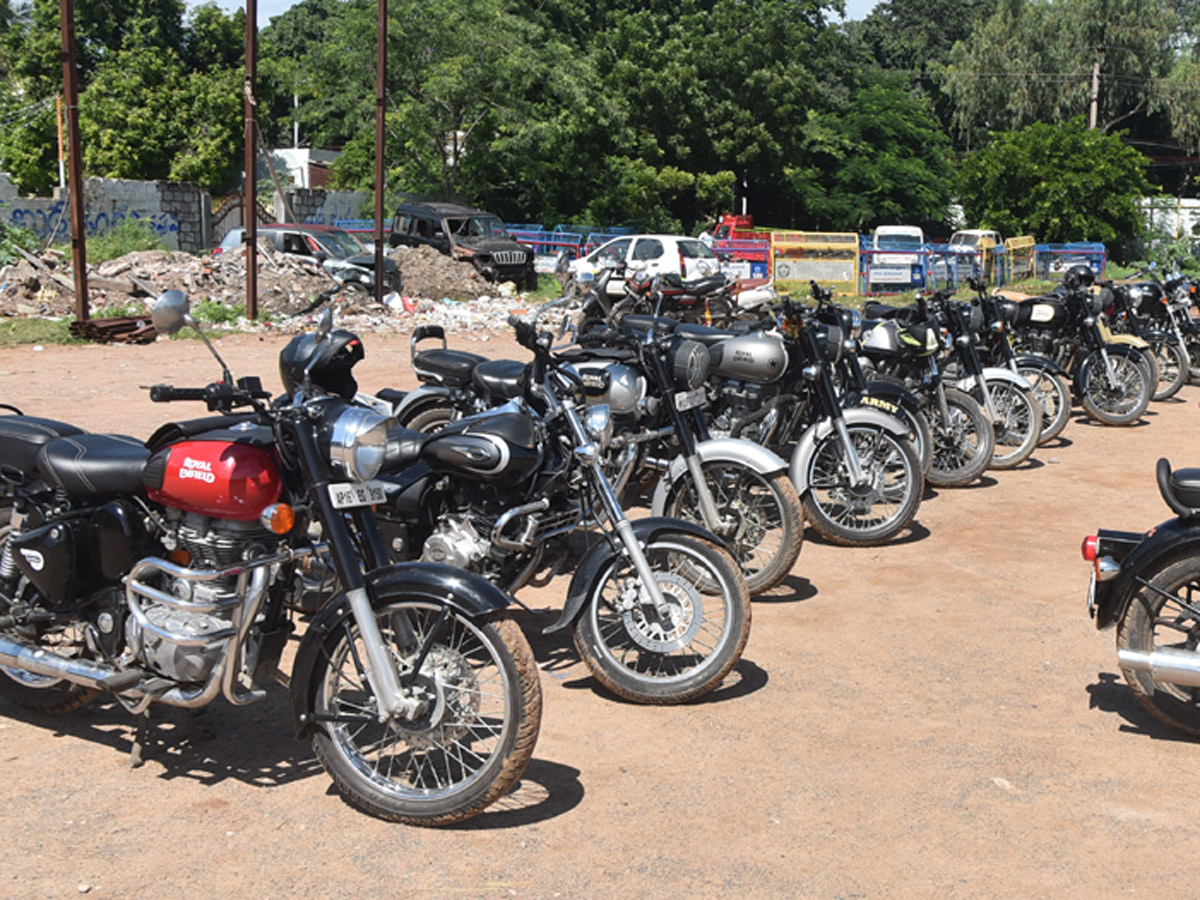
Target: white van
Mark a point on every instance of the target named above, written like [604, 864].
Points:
[900, 264]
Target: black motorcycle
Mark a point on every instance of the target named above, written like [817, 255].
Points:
[1147, 584]
[167, 573]
[658, 609]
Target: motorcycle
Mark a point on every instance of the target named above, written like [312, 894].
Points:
[1146, 584]
[1140, 310]
[1113, 381]
[658, 610]
[737, 489]
[164, 573]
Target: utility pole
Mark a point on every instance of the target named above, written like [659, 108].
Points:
[1095, 95]
[380, 168]
[66, 13]
[250, 200]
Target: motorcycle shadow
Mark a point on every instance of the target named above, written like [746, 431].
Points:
[1111, 694]
[793, 589]
[983, 481]
[209, 745]
[545, 791]
[911, 533]
[1085, 421]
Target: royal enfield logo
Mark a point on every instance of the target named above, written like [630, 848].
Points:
[36, 561]
[197, 469]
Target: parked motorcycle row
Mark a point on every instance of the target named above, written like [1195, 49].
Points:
[402, 526]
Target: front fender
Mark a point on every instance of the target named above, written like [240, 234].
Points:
[1173, 538]
[597, 559]
[1084, 372]
[463, 592]
[1031, 361]
[721, 450]
[992, 373]
[886, 396]
[857, 415]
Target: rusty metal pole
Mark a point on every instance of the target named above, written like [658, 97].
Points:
[380, 168]
[251, 188]
[66, 14]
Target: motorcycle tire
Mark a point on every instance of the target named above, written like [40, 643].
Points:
[1122, 403]
[645, 658]
[760, 519]
[1162, 614]
[42, 693]
[466, 752]
[1172, 361]
[429, 419]
[1018, 425]
[1054, 395]
[873, 513]
[962, 446]
[1191, 343]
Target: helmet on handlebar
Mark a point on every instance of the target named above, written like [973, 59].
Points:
[1079, 276]
[330, 359]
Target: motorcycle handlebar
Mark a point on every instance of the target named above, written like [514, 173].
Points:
[165, 393]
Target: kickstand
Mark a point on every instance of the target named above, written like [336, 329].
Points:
[141, 736]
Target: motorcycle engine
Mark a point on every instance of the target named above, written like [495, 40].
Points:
[188, 655]
[456, 543]
[740, 400]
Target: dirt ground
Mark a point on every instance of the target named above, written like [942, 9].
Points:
[935, 718]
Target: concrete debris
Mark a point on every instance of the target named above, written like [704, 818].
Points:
[292, 290]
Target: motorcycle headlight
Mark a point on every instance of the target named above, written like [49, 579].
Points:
[358, 442]
[690, 364]
[597, 422]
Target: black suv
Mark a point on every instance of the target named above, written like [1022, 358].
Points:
[466, 234]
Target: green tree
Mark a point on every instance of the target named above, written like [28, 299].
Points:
[1059, 182]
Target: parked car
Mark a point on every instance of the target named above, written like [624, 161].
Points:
[900, 266]
[343, 255]
[467, 234]
[970, 240]
[655, 254]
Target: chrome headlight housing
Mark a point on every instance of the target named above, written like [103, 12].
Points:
[690, 363]
[598, 424]
[358, 442]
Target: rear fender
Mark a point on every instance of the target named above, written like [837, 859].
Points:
[807, 445]
[416, 400]
[1155, 549]
[467, 594]
[726, 450]
[598, 559]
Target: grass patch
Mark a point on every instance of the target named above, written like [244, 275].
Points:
[37, 331]
[130, 236]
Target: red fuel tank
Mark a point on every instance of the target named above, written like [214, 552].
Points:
[222, 479]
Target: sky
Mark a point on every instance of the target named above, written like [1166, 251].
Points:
[855, 9]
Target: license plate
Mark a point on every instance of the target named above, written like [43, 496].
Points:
[345, 496]
[686, 400]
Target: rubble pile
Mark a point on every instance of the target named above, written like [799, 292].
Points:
[292, 289]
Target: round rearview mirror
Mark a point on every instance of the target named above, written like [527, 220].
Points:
[170, 312]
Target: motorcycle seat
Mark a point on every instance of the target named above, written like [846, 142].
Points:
[873, 309]
[498, 378]
[21, 437]
[403, 447]
[94, 464]
[1185, 485]
[449, 367]
[705, 335]
[584, 354]
[703, 286]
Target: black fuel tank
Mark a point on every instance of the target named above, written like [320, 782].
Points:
[489, 445]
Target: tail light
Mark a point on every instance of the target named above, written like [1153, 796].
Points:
[1090, 547]
[682, 265]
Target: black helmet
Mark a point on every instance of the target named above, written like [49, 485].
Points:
[331, 358]
[1079, 276]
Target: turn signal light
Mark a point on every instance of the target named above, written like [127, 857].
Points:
[1091, 547]
[279, 518]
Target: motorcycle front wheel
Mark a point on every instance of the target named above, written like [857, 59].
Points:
[1164, 614]
[1054, 395]
[760, 519]
[675, 655]
[1172, 360]
[474, 739]
[963, 441]
[1018, 425]
[1191, 343]
[870, 513]
[1121, 400]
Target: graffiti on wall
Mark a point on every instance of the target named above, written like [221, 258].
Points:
[51, 220]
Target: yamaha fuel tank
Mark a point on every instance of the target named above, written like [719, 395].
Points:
[753, 357]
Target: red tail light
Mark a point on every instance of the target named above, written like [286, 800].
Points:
[1091, 547]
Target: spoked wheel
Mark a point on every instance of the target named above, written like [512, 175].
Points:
[862, 515]
[1165, 615]
[1120, 399]
[429, 419]
[759, 518]
[1191, 343]
[963, 440]
[1018, 425]
[471, 741]
[1054, 395]
[670, 655]
[1172, 360]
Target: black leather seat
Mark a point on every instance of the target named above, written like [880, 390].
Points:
[21, 437]
[704, 334]
[1185, 485]
[449, 367]
[94, 464]
[644, 322]
[498, 378]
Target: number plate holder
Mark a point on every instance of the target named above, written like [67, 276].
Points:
[349, 495]
[685, 400]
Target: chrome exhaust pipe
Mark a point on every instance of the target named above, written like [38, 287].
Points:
[1170, 666]
[86, 672]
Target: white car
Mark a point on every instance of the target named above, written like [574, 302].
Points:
[654, 254]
